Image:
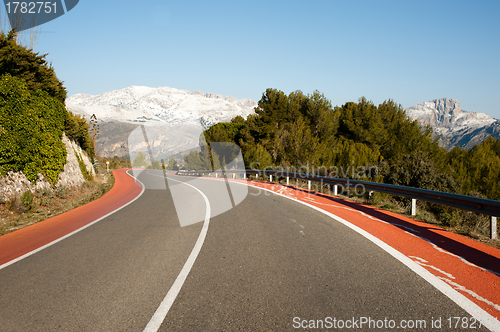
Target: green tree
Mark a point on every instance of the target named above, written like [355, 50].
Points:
[29, 66]
[171, 164]
[155, 164]
[140, 161]
[193, 161]
[257, 158]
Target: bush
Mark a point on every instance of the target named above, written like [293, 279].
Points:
[32, 127]
[27, 200]
[61, 192]
[76, 128]
[47, 196]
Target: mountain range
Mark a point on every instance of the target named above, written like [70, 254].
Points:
[174, 119]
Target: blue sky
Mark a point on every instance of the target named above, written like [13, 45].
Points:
[408, 51]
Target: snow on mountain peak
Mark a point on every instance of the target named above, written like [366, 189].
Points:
[140, 104]
[445, 116]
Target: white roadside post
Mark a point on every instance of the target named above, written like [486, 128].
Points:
[287, 180]
[335, 190]
[493, 228]
[107, 166]
[413, 207]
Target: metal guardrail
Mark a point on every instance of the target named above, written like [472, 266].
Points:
[475, 204]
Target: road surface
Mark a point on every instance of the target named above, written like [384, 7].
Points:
[266, 264]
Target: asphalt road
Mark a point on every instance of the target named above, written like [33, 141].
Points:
[267, 263]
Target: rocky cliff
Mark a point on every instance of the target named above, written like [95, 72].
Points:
[15, 184]
[453, 125]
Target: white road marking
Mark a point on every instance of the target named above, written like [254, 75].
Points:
[162, 311]
[72, 233]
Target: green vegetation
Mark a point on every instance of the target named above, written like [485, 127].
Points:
[32, 127]
[305, 130]
[305, 133]
[32, 115]
[114, 163]
[172, 165]
[76, 129]
[30, 67]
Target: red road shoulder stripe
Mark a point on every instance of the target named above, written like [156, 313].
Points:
[470, 267]
[25, 240]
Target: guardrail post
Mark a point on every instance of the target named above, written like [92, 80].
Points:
[413, 207]
[270, 178]
[287, 180]
[308, 184]
[216, 175]
[244, 176]
[234, 175]
[335, 190]
[493, 228]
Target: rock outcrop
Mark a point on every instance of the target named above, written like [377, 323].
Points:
[16, 183]
[452, 125]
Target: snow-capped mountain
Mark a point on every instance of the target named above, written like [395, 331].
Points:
[137, 104]
[445, 116]
[451, 124]
[173, 119]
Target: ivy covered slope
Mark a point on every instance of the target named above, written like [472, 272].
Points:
[33, 116]
[304, 130]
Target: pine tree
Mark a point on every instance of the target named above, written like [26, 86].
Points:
[25, 64]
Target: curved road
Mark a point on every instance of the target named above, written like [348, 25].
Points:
[266, 264]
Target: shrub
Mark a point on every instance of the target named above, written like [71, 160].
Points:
[27, 200]
[61, 192]
[32, 126]
[76, 128]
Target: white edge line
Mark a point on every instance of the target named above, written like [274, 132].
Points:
[72, 233]
[476, 311]
[162, 311]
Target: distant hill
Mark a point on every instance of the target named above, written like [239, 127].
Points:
[177, 117]
[454, 126]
